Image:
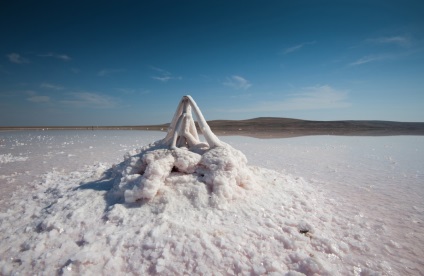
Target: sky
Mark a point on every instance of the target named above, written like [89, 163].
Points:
[130, 62]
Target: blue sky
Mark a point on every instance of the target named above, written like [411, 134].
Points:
[130, 62]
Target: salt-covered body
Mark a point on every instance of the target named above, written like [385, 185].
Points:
[218, 165]
[223, 169]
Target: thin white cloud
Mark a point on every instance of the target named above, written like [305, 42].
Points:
[51, 86]
[17, 58]
[39, 99]
[406, 47]
[105, 72]
[237, 82]
[164, 76]
[402, 41]
[297, 47]
[368, 59]
[309, 98]
[92, 100]
[63, 57]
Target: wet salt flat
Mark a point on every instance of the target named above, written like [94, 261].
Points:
[324, 204]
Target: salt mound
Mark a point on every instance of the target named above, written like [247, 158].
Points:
[180, 157]
[70, 225]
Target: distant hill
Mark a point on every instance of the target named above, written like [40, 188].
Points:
[283, 127]
[269, 127]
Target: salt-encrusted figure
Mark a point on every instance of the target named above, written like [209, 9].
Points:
[214, 163]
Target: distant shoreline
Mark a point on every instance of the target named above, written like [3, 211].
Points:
[272, 128]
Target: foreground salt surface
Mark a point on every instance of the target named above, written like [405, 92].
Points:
[330, 205]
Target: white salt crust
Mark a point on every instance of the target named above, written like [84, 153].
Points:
[75, 222]
[84, 229]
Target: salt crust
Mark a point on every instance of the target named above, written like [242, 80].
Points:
[8, 158]
[78, 223]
